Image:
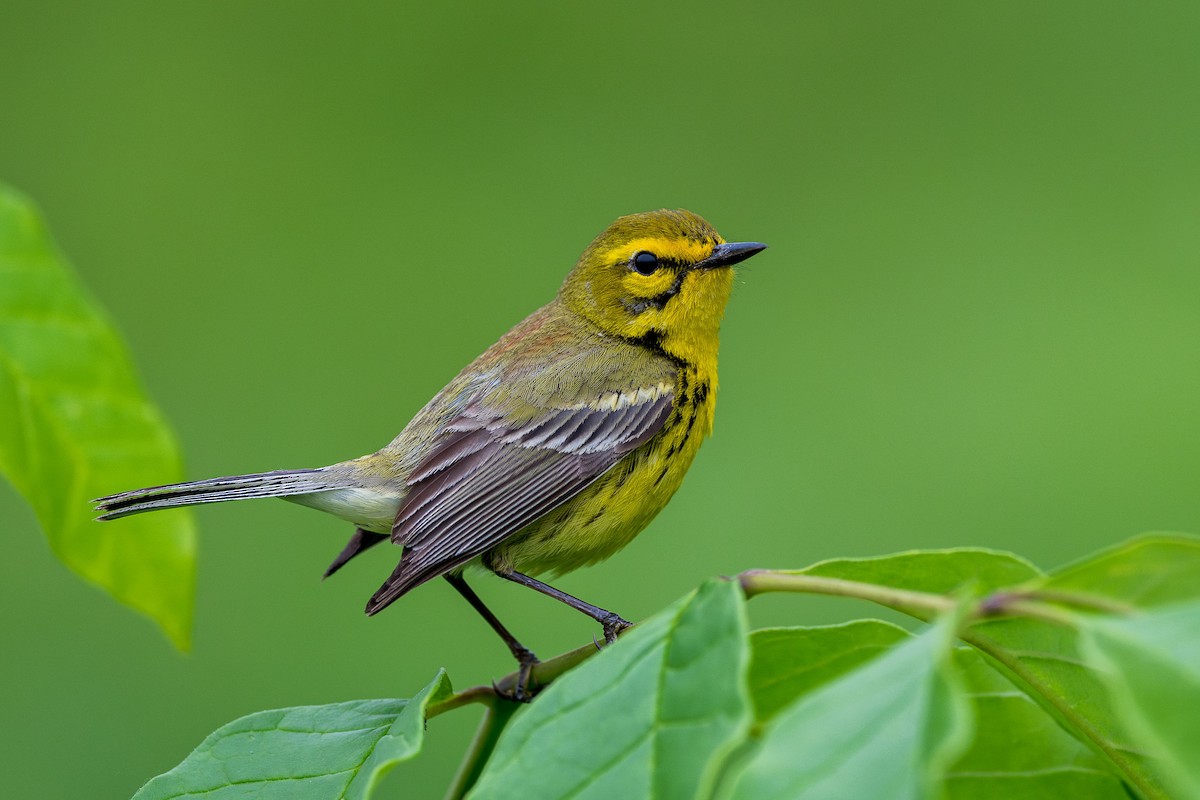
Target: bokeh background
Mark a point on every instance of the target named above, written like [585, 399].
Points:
[977, 323]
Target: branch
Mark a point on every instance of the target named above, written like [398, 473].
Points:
[500, 707]
[1035, 604]
[921, 605]
[495, 718]
[543, 673]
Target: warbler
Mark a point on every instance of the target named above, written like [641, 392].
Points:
[550, 451]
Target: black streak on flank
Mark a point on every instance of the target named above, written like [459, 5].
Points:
[661, 475]
[691, 422]
[622, 477]
[701, 393]
[674, 448]
[595, 517]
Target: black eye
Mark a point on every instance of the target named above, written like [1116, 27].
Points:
[645, 263]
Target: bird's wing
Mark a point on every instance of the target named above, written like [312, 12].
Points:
[489, 476]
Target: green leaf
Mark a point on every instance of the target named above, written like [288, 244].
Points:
[1019, 750]
[786, 663]
[1145, 571]
[652, 716]
[886, 729]
[340, 750]
[1041, 658]
[933, 571]
[1047, 661]
[1151, 664]
[77, 426]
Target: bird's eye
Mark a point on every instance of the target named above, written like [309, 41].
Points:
[645, 263]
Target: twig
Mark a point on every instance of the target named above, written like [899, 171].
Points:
[495, 718]
[920, 604]
[543, 673]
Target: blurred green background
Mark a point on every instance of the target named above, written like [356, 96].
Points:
[977, 323]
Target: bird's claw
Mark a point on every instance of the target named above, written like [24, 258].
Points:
[613, 628]
[519, 694]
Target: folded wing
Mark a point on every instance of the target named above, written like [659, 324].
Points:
[489, 476]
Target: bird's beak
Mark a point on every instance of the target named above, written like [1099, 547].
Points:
[730, 253]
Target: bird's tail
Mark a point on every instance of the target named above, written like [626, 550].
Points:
[281, 483]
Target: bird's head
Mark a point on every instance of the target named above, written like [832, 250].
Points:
[661, 274]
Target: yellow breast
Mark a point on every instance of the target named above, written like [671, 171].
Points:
[608, 514]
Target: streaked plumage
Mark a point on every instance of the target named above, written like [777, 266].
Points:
[554, 448]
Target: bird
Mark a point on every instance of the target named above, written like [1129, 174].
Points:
[550, 451]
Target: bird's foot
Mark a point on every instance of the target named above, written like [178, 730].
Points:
[521, 692]
[613, 625]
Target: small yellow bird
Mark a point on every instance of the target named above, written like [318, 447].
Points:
[550, 451]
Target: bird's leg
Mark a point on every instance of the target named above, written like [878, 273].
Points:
[524, 656]
[613, 623]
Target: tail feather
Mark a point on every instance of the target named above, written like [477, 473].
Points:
[360, 541]
[280, 483]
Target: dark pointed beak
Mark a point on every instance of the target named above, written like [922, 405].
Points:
[730, 253]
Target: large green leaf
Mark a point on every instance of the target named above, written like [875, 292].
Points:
[932, 571]
[326, 752]
[651, 716]
[1046, 660]
[77, 425]
[1019, 750]
[1145, 571]
[887, 729]
[786, 663]
[1151, 665]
